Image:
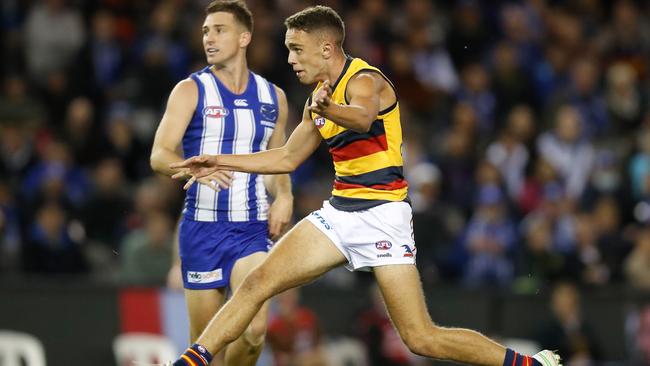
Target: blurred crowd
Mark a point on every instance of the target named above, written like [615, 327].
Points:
[526, 132]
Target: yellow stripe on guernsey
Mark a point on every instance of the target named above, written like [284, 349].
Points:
[368, 165]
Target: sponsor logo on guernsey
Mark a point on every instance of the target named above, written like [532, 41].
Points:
[319, 122]
[322, 220]
[215, 111]
[384, 255]
[205, 277]
[383, 245]
[241, 103]
[408, 251]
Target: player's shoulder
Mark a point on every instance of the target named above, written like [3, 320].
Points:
[191, 83]
[279, 92]
[366, 75]
[282, 96]
[186, 88]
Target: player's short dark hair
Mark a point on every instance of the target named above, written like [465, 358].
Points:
[318, 18]
[237, 8]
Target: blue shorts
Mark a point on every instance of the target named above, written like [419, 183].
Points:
[209, 250]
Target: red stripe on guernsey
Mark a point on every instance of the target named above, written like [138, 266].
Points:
[140, 311]
[514, 359]
[360, 148]
[397, 184]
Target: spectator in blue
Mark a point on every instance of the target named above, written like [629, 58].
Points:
[475, 90]
[490, 239]
[101, 61]
[17, 155]
[584, 94]
[559, 212]
[53, 243]
[55, 177]
[571, 155]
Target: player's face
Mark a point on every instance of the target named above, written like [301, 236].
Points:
[305, 55]
[223, 37]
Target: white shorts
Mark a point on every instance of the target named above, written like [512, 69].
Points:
[379, 236]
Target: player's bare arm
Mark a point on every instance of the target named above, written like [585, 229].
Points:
[304, 140]
[364, 93]
[279, 185]
[180, 107]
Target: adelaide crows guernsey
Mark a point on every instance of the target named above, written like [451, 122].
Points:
[368, 165]
[228, 123]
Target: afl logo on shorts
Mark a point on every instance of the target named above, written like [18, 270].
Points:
[319, 122]
[215, 111]
[383, 245]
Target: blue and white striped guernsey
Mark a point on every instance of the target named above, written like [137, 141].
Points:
[227, 123]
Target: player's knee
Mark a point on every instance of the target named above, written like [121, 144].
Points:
[258, 284]
[252, 283]
[256, 332]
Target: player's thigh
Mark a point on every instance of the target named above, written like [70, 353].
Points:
[402, 292]
[302, 255]
[201, 307]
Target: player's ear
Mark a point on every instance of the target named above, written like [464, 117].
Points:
[326, 49]
[245, 39]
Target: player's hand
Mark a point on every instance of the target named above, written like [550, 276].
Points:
[196, 167]
[218, 180]
[280, 214]
[321, 99]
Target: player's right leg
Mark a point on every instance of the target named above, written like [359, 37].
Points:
[402, 291]
[302, 255]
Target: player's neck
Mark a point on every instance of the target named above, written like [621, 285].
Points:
[337, 64]
[234, 75]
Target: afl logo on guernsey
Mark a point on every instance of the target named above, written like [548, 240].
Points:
[215, 111]
[319, 121]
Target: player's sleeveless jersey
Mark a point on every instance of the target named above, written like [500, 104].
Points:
[227, 123]
[368, 165]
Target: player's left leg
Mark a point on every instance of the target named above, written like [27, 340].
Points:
[402, 291]
[247, 348]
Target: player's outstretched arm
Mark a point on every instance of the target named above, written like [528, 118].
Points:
[301, 144]
[363, 95]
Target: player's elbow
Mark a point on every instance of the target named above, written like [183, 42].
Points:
[363, 126]
[288, 165]
[288, 162]
[155, 161]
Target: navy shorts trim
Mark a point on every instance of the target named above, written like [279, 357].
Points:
[209, 250]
